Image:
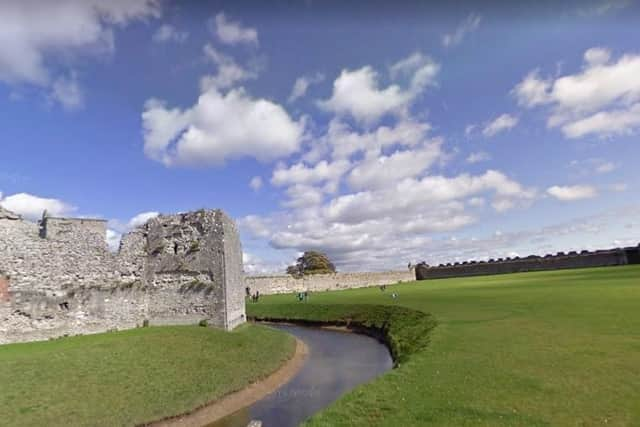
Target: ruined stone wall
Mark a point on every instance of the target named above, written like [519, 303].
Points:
[60, 279]
[584, 259]
[234, 292]
[325, 282]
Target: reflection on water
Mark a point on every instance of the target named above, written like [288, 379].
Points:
[337, 362]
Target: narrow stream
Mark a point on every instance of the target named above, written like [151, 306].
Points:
[337, 362]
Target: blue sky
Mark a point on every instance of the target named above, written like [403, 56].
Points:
[380, 133]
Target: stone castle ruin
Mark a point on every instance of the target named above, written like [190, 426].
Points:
[59, 278]
[561, 260]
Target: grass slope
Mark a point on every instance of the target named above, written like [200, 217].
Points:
[537, 349]
[133, 376]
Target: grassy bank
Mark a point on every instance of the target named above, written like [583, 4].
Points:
[130, 377]
[537, 349]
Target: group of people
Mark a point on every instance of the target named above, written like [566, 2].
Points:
[253, 297]
[302, 296]
[384, 288]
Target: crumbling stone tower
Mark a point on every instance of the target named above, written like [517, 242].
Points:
[58, 277]
[197, 252]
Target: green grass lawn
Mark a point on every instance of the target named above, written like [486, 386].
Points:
[558, 348]
[130, 377]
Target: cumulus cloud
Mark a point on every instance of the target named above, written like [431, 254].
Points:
[218, 127]
[254, 265]
[232, 32]
[469, 25]
[376, 172]
[366, 191]
[357, 93]
[141, 219]
[32, 207]
[300, 173]
[499, 124]
[113, 240]
[68, 93]
[477, 157]
[255, 183]
[592, 166]
[420, 71]
[571, 193]
[302, 84]
[346, 141]
[168, 33]
[229, 71]
[601, 99]
[606, 123]
[32, 31]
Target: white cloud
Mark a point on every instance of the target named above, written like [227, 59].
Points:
[357, 93]
[605, 123]
[606, 167]
[592, 166]
[382, 171]
[346, 142]
[232, 32]
[32, 207]
[571, 193]
[31, 31]
[411, 194]
[300, 173]
[168, 33]
[601, 99]
[477, 157]
[254, 265]
[218, 127]
[499, 124]
[302, 84]
[113, 240]
[303, 196]
[469, 25]
[255, 183]
[68, 93]
[532, 90]
[229, 72]
[255, 225]
[476, 202]
[418, 69]
[468, 130]
[141, 219]
[601, 7]
[597, 56]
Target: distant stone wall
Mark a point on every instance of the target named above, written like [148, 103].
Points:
[324, 282]
[558, 261]
[58, 278]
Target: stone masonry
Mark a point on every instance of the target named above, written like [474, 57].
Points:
[559, 261]
[59, 278]
[282, 284]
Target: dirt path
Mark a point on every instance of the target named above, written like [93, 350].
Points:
[240, 399]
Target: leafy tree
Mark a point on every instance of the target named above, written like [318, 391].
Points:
[311, 262]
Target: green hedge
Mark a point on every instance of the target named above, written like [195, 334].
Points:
[405, 331]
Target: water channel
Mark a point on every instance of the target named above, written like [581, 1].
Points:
[337, 362]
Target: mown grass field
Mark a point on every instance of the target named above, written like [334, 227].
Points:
[130, 377]
[558, 348]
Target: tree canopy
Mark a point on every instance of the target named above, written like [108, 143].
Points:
[311, 262]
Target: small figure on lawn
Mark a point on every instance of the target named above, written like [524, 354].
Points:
[394, 295]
